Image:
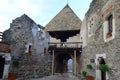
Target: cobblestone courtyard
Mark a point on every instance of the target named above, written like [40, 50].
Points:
[59, 77]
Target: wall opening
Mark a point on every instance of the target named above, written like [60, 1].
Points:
[61, 63]
[2, 63]
[103, 73]
[70, 66]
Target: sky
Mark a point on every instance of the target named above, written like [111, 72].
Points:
[41, 11]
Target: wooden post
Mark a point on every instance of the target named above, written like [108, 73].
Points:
[75, 62]
[53, 55]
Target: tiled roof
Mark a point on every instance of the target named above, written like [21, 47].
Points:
[66, 19]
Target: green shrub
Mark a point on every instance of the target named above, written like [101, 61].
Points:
[103, 67]
[89, 66]
[84, 73]
[15, 63]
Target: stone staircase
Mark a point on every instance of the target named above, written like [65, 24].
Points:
[65, 76]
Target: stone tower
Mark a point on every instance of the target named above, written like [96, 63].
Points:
[65, 42]
[101, 43]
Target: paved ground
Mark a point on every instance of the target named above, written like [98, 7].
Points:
[59, 77]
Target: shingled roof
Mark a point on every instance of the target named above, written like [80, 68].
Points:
[65, 20]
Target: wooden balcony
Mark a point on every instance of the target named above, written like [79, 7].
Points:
[65, 44]
[62, 47]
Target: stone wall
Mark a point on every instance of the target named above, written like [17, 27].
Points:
[96, 44]
[28, 41]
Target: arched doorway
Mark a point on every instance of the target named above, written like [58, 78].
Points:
[70, 66]
[100, 59]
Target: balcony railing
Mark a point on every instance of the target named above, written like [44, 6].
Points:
[1, 36]
[65, 44]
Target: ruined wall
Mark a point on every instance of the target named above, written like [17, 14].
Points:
[97, 43]
[75, 38]
[54, 39]
[28, 42]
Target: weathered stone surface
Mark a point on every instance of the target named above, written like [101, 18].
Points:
[59, 77]
[35, 65]
[96, 44]
[22, 33]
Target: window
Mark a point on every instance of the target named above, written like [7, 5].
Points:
[109, 28]
[90, 26]
[30, 49]
[45, 51]
[110, 18]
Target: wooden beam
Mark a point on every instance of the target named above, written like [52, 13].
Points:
[75, 62]
[53, 55]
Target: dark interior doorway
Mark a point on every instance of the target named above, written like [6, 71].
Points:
[61, 63]
[2, 63]
[103, 73]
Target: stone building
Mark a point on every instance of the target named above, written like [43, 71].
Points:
[5, 58]
[28, 42]
[100, 30]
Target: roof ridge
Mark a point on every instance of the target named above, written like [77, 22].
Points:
[64, 19]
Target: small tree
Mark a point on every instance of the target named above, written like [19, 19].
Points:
[89, 66]
[84, 73]
[15, 63]
[103, 67]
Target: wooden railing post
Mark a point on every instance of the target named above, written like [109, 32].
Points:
[75, 62]
[53, 55]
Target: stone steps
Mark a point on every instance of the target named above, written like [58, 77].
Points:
[64, 76]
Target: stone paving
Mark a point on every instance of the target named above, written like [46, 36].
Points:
[59, 77]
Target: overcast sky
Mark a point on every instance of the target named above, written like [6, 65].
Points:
[41, 11]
